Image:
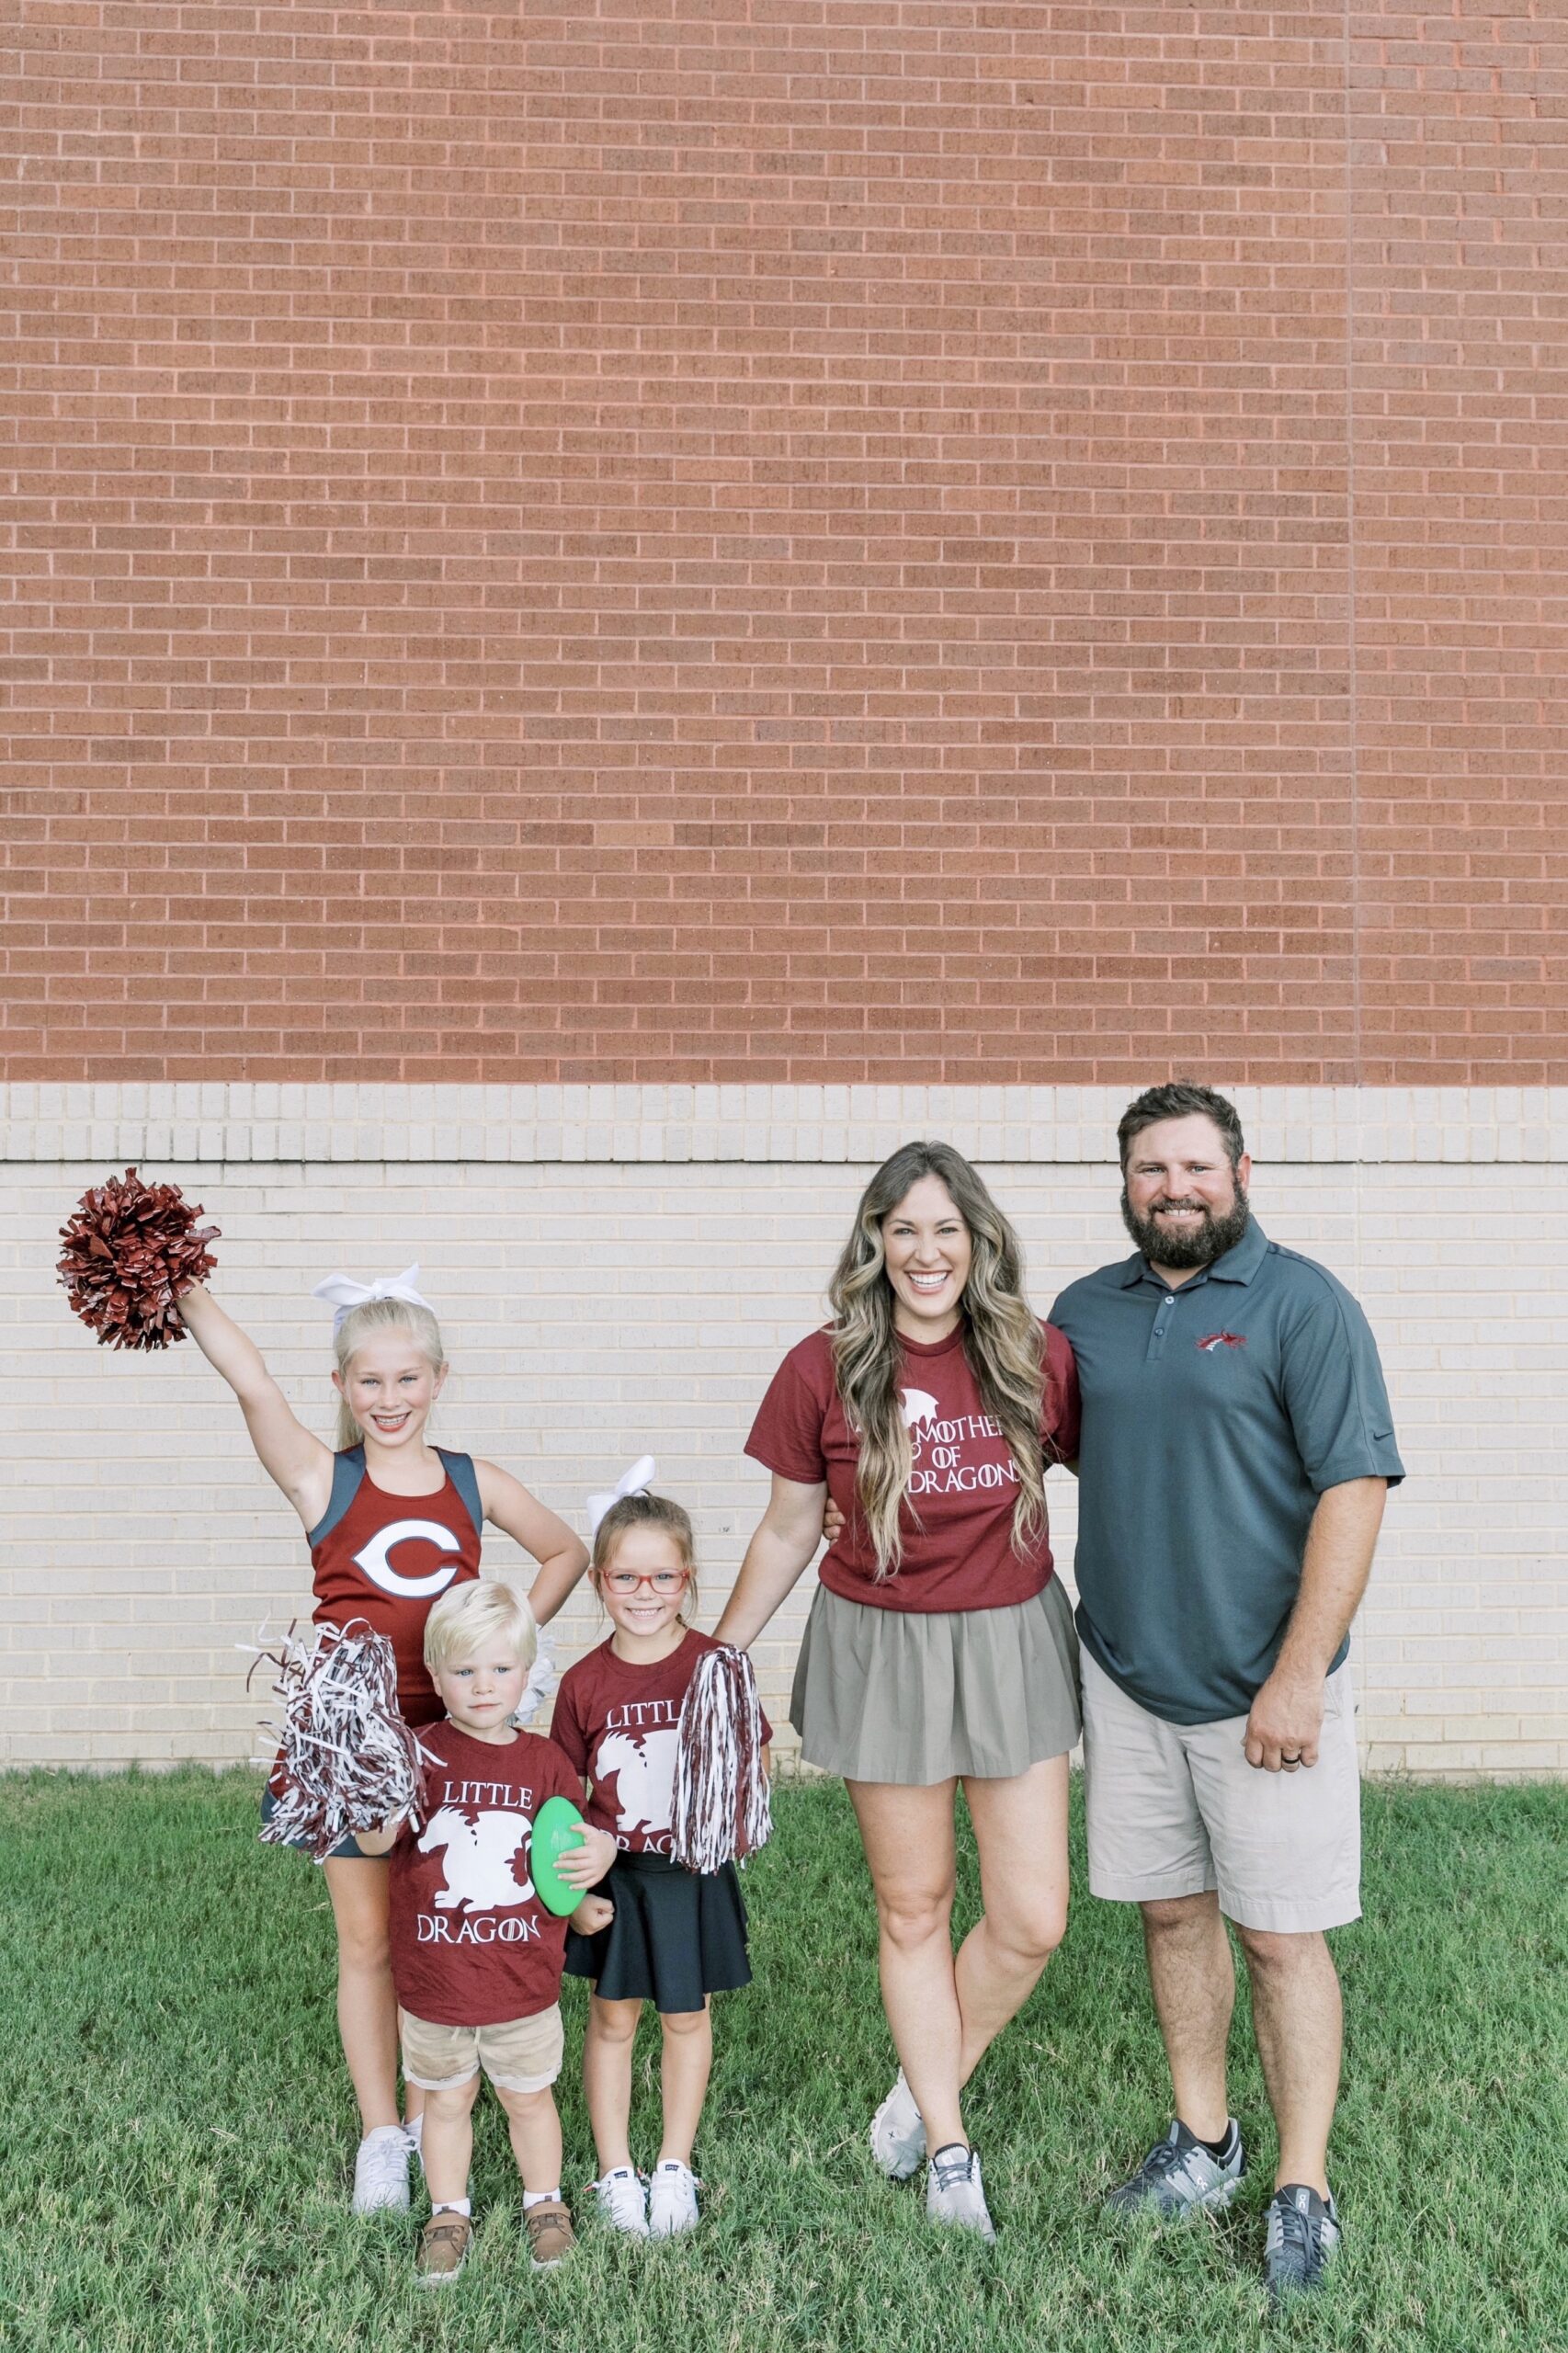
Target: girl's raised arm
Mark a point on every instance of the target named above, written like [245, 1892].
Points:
[288, 1453]
[562, 1556]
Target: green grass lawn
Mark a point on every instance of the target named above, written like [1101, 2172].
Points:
[181, 2132]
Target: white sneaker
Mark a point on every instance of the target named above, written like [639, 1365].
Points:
[897, 2133]
[414, 2133]
[672, 2200]
[953, 2192]
[381, 2172]
[622, 2201]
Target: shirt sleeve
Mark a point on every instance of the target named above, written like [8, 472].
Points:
[786, 1434]
[1334, 1394]
[567, 1734]
[1061, 1415]
[568, 1780]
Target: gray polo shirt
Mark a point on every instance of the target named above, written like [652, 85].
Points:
[1214, 1416]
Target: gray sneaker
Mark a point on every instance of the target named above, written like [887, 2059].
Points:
[954, 2193]
[1178, 2175]
[1303, 2239]
[897, 2133]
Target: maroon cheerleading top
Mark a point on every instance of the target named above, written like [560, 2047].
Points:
[388, 1559]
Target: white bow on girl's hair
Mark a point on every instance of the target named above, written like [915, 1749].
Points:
[343, 1294]
[630, 1483]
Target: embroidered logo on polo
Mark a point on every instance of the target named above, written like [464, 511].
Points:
[1212, 1340]
[375, 1560]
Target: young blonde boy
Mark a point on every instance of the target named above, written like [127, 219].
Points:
[476, 1958]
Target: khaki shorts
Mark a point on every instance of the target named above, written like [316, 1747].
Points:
[520, 2055]
[1176, 1810]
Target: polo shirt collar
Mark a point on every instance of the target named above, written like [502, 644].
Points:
[1238, 1265]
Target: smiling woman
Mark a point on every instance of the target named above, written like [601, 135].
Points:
[940, 1647]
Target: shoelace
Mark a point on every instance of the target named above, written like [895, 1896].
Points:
[1296, 2239]
[1163, 2160]
[952, 2172]
[626, 2186]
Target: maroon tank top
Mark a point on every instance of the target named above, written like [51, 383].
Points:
[388, 1559]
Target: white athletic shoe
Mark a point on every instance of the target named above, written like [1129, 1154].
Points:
[953, 2192]
[381, 2172]
[897, 2133]
[672, 2200]
[622, 2201]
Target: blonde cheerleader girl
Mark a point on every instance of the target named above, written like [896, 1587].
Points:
[393, 1522]
[669, 1936]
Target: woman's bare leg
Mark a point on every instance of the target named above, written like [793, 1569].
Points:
[1020, 1830]
[908, 1838]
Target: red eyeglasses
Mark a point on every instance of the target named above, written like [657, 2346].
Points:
[663, 1581]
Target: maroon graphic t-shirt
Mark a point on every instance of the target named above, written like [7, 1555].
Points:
[957, 1519]
[617, 1724]
[472, 1944]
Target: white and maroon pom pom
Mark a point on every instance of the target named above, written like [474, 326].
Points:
[346, 1759]
[131, 1250]
[720, 1812]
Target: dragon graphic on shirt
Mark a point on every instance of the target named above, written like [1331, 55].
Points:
[643, 1764]
[480, 1859]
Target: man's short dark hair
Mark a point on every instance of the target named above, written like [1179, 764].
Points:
[1179, 1100]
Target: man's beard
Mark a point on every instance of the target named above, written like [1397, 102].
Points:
[1197, 1245]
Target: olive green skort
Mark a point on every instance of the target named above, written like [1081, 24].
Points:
[916, 1697]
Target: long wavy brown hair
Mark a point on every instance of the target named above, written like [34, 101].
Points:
[1002, 1339]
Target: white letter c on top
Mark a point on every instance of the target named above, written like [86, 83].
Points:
[373, 1559]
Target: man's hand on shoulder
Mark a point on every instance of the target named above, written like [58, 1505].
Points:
[1285, 1723]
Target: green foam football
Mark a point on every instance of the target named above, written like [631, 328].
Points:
[558, 1826]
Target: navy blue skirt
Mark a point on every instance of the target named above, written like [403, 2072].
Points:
[676, 1936]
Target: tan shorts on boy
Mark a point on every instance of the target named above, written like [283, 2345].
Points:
[519, 2055]
[1176, 1810]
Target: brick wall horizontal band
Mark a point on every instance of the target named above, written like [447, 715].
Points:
[248, 1123]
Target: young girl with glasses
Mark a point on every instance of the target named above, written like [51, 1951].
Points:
[668, 1934]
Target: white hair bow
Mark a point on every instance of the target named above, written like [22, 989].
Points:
[630, 1483]
[343, 1294]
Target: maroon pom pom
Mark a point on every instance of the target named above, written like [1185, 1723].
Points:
[130, 1249]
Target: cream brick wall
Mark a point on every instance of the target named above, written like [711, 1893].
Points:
[619, 1269]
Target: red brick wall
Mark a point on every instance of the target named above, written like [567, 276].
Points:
[786, 539]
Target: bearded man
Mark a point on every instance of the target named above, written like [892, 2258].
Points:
[1236, 1452]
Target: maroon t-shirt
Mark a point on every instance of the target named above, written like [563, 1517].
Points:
[958, 1552]
[472, 1944]
[618, 1722]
